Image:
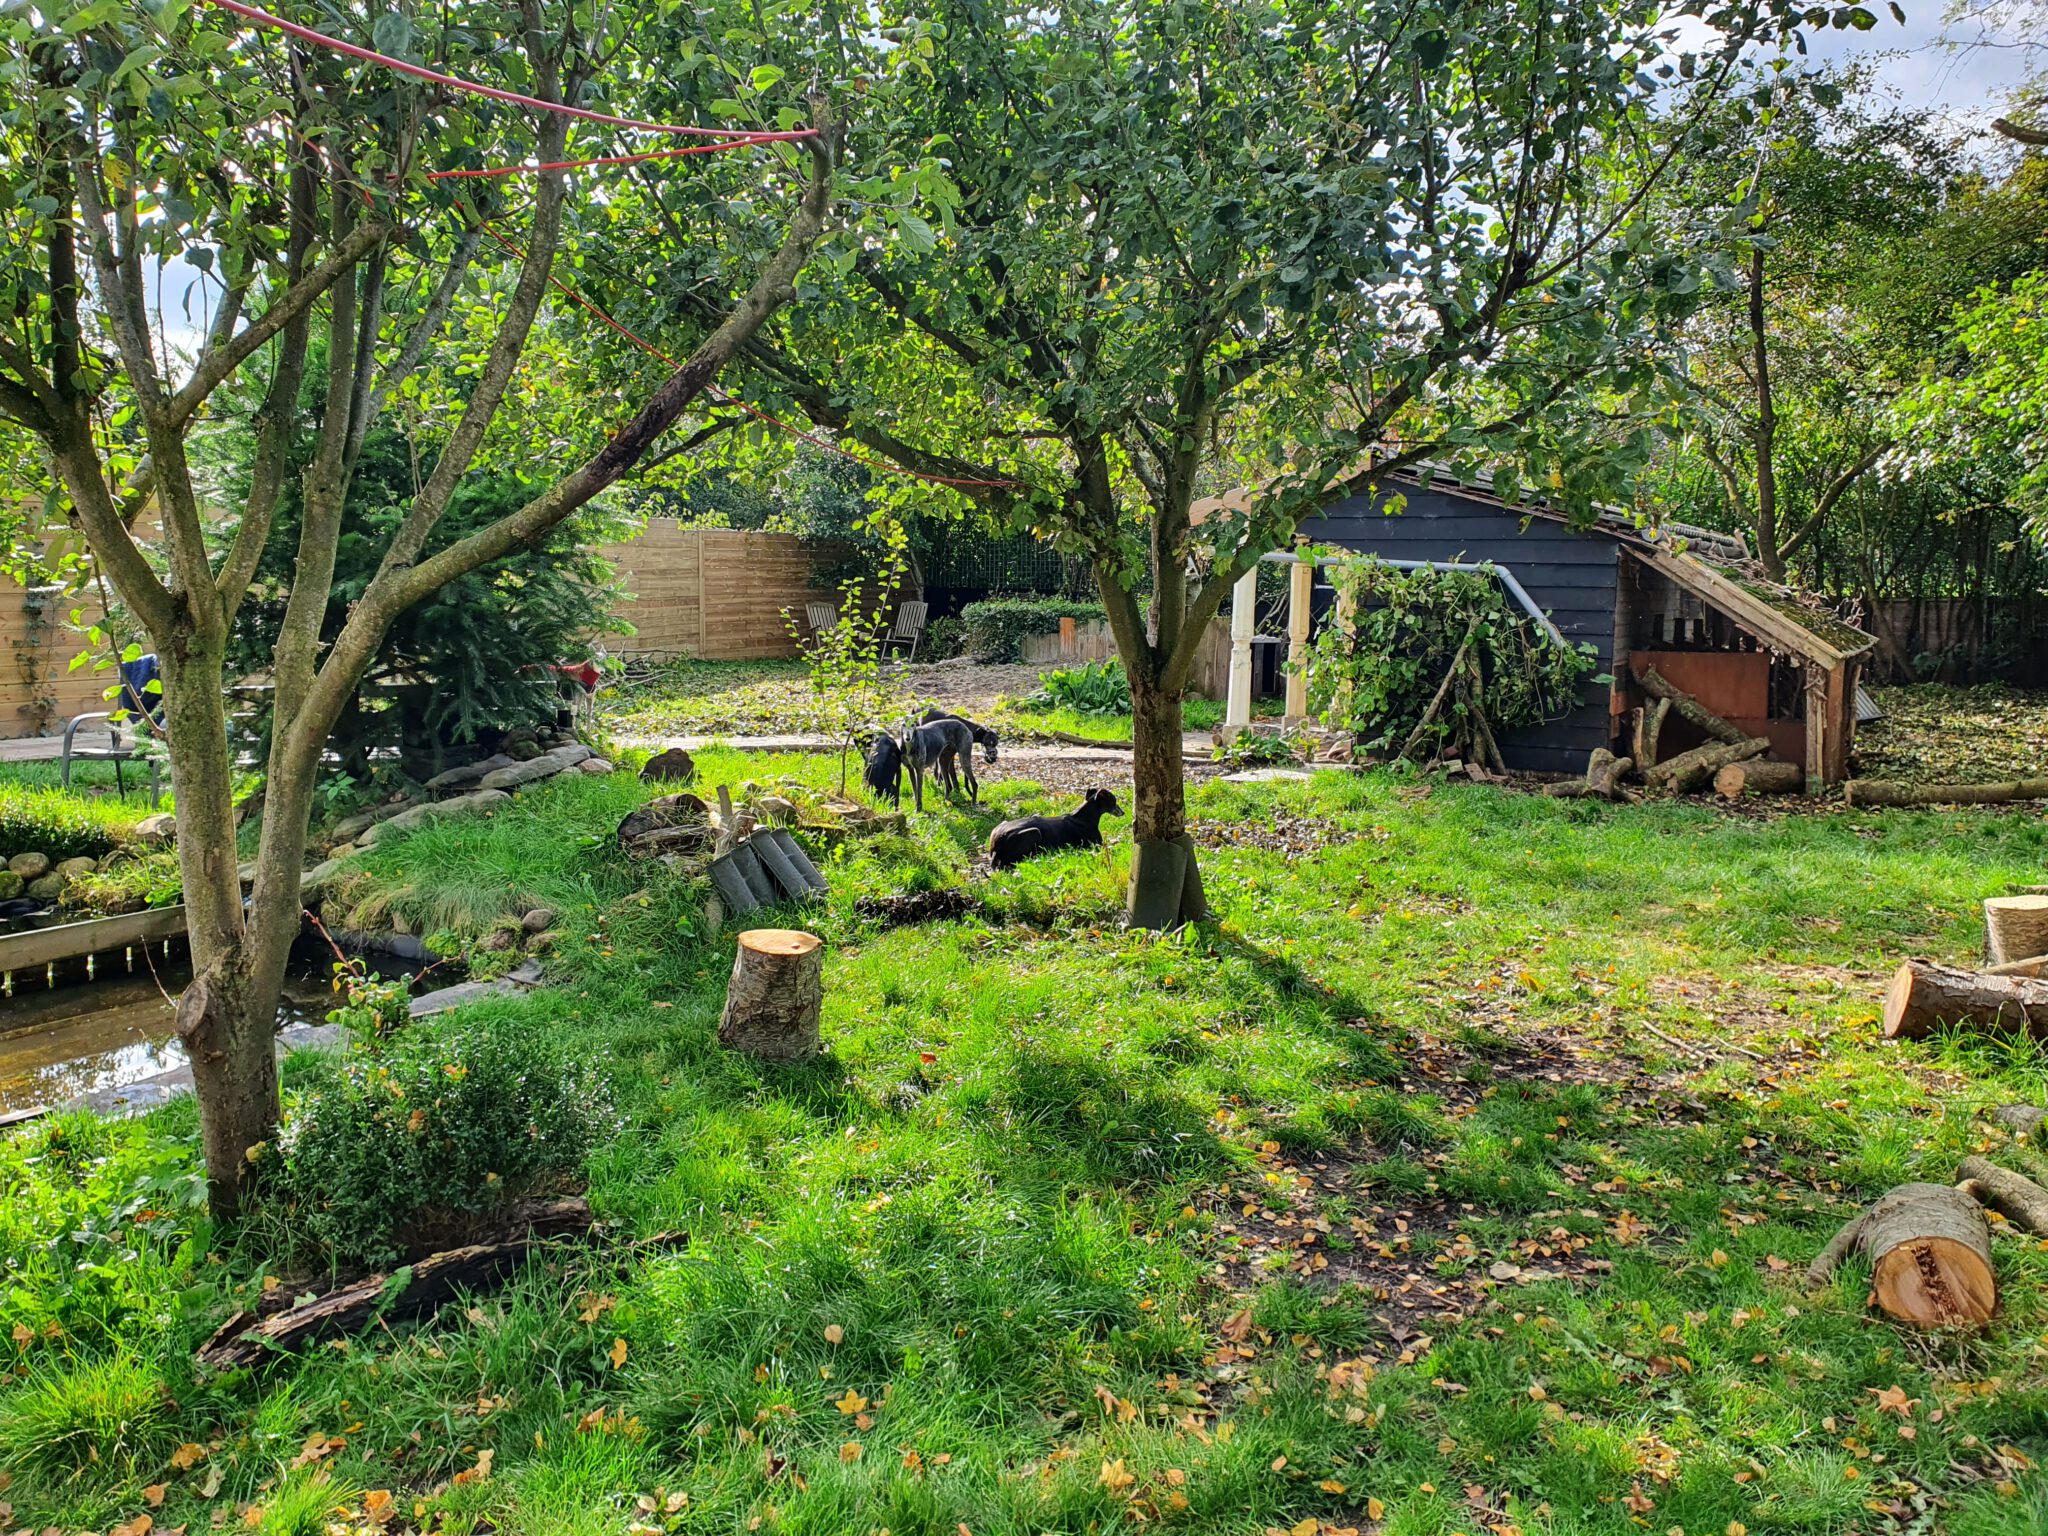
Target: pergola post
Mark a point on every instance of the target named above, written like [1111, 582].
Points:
[1300, 594]
[1244, 599]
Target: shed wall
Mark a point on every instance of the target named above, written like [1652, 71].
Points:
[1570, 573]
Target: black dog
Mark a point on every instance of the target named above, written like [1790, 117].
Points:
[1015, 841]
[883, 770]
[984, 735]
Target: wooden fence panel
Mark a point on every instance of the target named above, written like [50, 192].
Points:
[716, 594]
[38, 689]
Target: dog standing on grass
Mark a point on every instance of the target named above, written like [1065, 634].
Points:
[944, 745]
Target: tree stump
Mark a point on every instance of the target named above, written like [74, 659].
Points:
[776, 992]
[1759, 778]
[2015, 927]
[1924, 996]
[1930, 1256]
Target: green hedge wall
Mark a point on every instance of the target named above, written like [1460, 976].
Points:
[995, 628]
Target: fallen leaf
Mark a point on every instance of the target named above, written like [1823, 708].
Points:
[851, 1451]
[188, 1455]
[852, 1403]
[1114, 1477]
[618, 1353]
[141, 1525]
[153, 1495]
[1375, 1510]
[377, 1505]
[1306, 1527]
[834, 1334]
[477, 1473]
[594, 1307]
[1238, 1326]
[1893, 1399]
[1330, 1485]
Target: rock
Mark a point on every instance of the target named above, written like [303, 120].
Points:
[351, 828]
[498, 940]
[596, 765]
[46, 887]
[475, 801]
[673, 766]
[571, 754]
[522, 751]
[779, 810]
[314, 880]
[469, 773]
[157, 831]
[540, 943]
[539, 920]
[73, 869]
[11, 885]
[30, 866]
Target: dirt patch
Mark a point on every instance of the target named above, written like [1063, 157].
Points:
[1275, 830]
[918, 907]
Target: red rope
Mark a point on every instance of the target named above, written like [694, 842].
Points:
[418, 71]
[577, 165]
[725, 399]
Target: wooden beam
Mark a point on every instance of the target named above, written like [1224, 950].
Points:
[1300, 596]
[73, 941]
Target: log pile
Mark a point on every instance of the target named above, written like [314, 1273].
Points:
[1730, 761]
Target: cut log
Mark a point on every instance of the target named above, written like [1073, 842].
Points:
[1649, 726]
[1696, 769]
[2013, 1195]
[1690, 708]
[246, 1340]
[1884, 792]
[2023, 1120]
[1923, 996]
[1764, 777]
[2033, 965]
[1930, 1256]
[1604, 773]
[775, 996]
[2015, 927]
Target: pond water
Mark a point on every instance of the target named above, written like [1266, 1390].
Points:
[84, 1034]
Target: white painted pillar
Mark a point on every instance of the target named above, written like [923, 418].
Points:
[1244, 601]
[1300, 593]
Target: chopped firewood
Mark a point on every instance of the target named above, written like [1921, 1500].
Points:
[2013, 1195]
[1930, 1256]
[2033, 965]
[1604, 773]
[1884, 792]
[1764, 777]
[2023, 1120]
[1696, 769]
[1923, 996]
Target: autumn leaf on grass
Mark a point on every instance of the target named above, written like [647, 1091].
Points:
[1114, 1477]
[318, 1447]
[1893, 1399]
[851, 1403]
[477, 1473]
[850, 1452]
[377, 1505]
[187, 1456]
[1375, 1510]
[153, 1495]
[141, 1525]
[1238, 1326]
[594, 1306]
[617, 1353]
[834, 1334]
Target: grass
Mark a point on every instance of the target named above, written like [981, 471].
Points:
[1035, 1246]
[63, 824]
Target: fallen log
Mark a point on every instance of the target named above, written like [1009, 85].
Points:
[1604, 773]
[1930, 1256]
[1649, 726]
[247, 1340]
[2023, 1120]
[1923, 996]
[1764, 777]
[2033, 965]
[2013, 1195]
[1696, 769]
[1069, 739]
[1883, 792]
[1690, 708]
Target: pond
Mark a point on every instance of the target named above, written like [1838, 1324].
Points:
[85, 1034]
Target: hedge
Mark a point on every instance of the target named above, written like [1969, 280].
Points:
[996, 628]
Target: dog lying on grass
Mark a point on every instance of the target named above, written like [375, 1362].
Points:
[1015, 841]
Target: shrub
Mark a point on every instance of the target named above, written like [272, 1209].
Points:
[944, 639]
[61, 824]
[434, 1136]
[1093, 688]
[996, 628]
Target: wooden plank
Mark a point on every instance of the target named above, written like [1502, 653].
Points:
[71, 941]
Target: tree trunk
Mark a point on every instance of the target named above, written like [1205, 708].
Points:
[1166, 877]
[227, 1018]
[1924, 996]
[1690, 708]
[1759, 778]
[1696, 769]
[777, 990]
[1930, 1256]
[1884, 792]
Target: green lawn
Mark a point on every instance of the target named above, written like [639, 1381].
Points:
[1376, 1205]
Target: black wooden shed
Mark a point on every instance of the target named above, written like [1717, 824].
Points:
[1685, 600]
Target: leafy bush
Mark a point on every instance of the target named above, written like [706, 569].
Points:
[62, 824]
[1260, 749]
[944, 639]
[430, 1137]
[126, 881]
[997, 627]
[1093, 688]
[1416, 628]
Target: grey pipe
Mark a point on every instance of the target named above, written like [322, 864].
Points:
[1507, 578]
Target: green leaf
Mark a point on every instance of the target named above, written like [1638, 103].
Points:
[763, 76]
